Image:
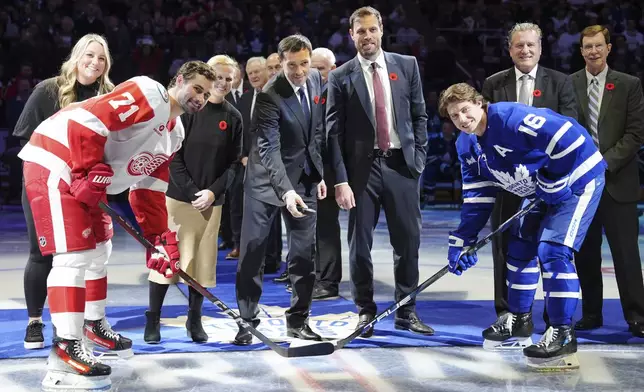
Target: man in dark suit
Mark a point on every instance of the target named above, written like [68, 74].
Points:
[377, 135]
[611, 107]
[529, 83]
[328, 257]
[257, 76]
[284, 172]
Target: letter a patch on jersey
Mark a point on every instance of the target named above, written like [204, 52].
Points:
[502, 150]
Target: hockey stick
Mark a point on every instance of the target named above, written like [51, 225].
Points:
[309, 350]
[504, 226]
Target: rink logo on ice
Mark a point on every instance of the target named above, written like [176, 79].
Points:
[520, 183]
[273, 324]
[145, 163]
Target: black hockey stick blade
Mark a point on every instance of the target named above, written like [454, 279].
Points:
[442, 272]
[308, 350]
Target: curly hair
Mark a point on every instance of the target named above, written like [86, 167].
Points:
[66, 80]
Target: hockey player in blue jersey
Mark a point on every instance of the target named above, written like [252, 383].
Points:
[531, 152]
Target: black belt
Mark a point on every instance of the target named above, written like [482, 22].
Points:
[386, 154]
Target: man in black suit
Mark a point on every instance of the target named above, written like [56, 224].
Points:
[611, 107]
[284, 172]
[529, 83]
[377, 135]
[328, 257]
[257, 76]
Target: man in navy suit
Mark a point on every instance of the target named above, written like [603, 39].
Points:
[377, 135]
[284, 171]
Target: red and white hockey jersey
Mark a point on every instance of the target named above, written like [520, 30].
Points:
[130, 130]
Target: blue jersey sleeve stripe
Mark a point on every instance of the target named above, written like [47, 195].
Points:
[558, 135]
[585, 167]
[481, 184]
[580, 141]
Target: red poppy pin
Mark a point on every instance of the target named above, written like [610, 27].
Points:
[610, 86]
[393, 76]
[316, 99]
[223, 125]
[323, 101]
[536, 93]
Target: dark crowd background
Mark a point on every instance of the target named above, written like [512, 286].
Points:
[453, 41]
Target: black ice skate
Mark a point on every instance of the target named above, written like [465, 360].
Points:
[104, 341]
[34, 337]
[510, 331]
[72, 367]
[557, 350]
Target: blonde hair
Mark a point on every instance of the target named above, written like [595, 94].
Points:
[222, 59]
[456, 93]
[67, 78]
[526, 26]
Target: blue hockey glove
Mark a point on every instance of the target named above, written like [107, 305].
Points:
[458, 260]
[552, 192]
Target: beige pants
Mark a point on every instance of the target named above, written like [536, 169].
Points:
[198, 235]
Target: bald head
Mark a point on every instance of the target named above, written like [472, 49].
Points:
[273, 64]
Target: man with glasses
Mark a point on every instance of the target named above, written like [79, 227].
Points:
[611, 107]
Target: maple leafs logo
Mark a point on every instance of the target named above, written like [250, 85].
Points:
[520, 184]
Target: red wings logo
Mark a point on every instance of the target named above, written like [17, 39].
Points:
[145, 163]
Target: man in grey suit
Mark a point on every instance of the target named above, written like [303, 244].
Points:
[529, 83]
[284, 172]
[377, 135]
[611, 107]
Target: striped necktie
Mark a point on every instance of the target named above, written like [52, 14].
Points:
[593, 109]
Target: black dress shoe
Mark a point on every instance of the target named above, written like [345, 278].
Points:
[304, 332]
[637, 329]
[320, 292]
[362, 321]
[413, 323]
[588, 322]
[244, 337]
[282, 278]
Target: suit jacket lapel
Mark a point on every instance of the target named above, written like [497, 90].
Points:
[292, 101]
[315, 107]
[396, 85]
[358, 81]
[511, 86]
[580, 84]
[607, 96]
[540, 84]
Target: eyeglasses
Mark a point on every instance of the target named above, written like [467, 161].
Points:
[597, 47]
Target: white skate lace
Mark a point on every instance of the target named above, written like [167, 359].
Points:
[83, 353]
[548, 337]
[505, 322]
[107, 330]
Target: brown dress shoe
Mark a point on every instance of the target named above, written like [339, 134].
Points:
[233, 255]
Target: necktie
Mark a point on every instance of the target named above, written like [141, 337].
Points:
[237, 96]
[307, 119]
[305, 106]
[593, 109]
[524, 91]
[382, 124]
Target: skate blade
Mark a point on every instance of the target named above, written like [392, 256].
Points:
[555, 364]
[56, 381]
[101, 352]
[510, 344]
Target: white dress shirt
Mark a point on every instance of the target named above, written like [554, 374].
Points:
[394, 140]
[531, 83]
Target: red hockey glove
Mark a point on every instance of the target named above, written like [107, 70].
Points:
[166, 256]
[91, 189]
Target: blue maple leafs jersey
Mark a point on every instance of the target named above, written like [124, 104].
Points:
[519, 141]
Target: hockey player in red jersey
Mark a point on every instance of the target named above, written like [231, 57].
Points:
[104, 145]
